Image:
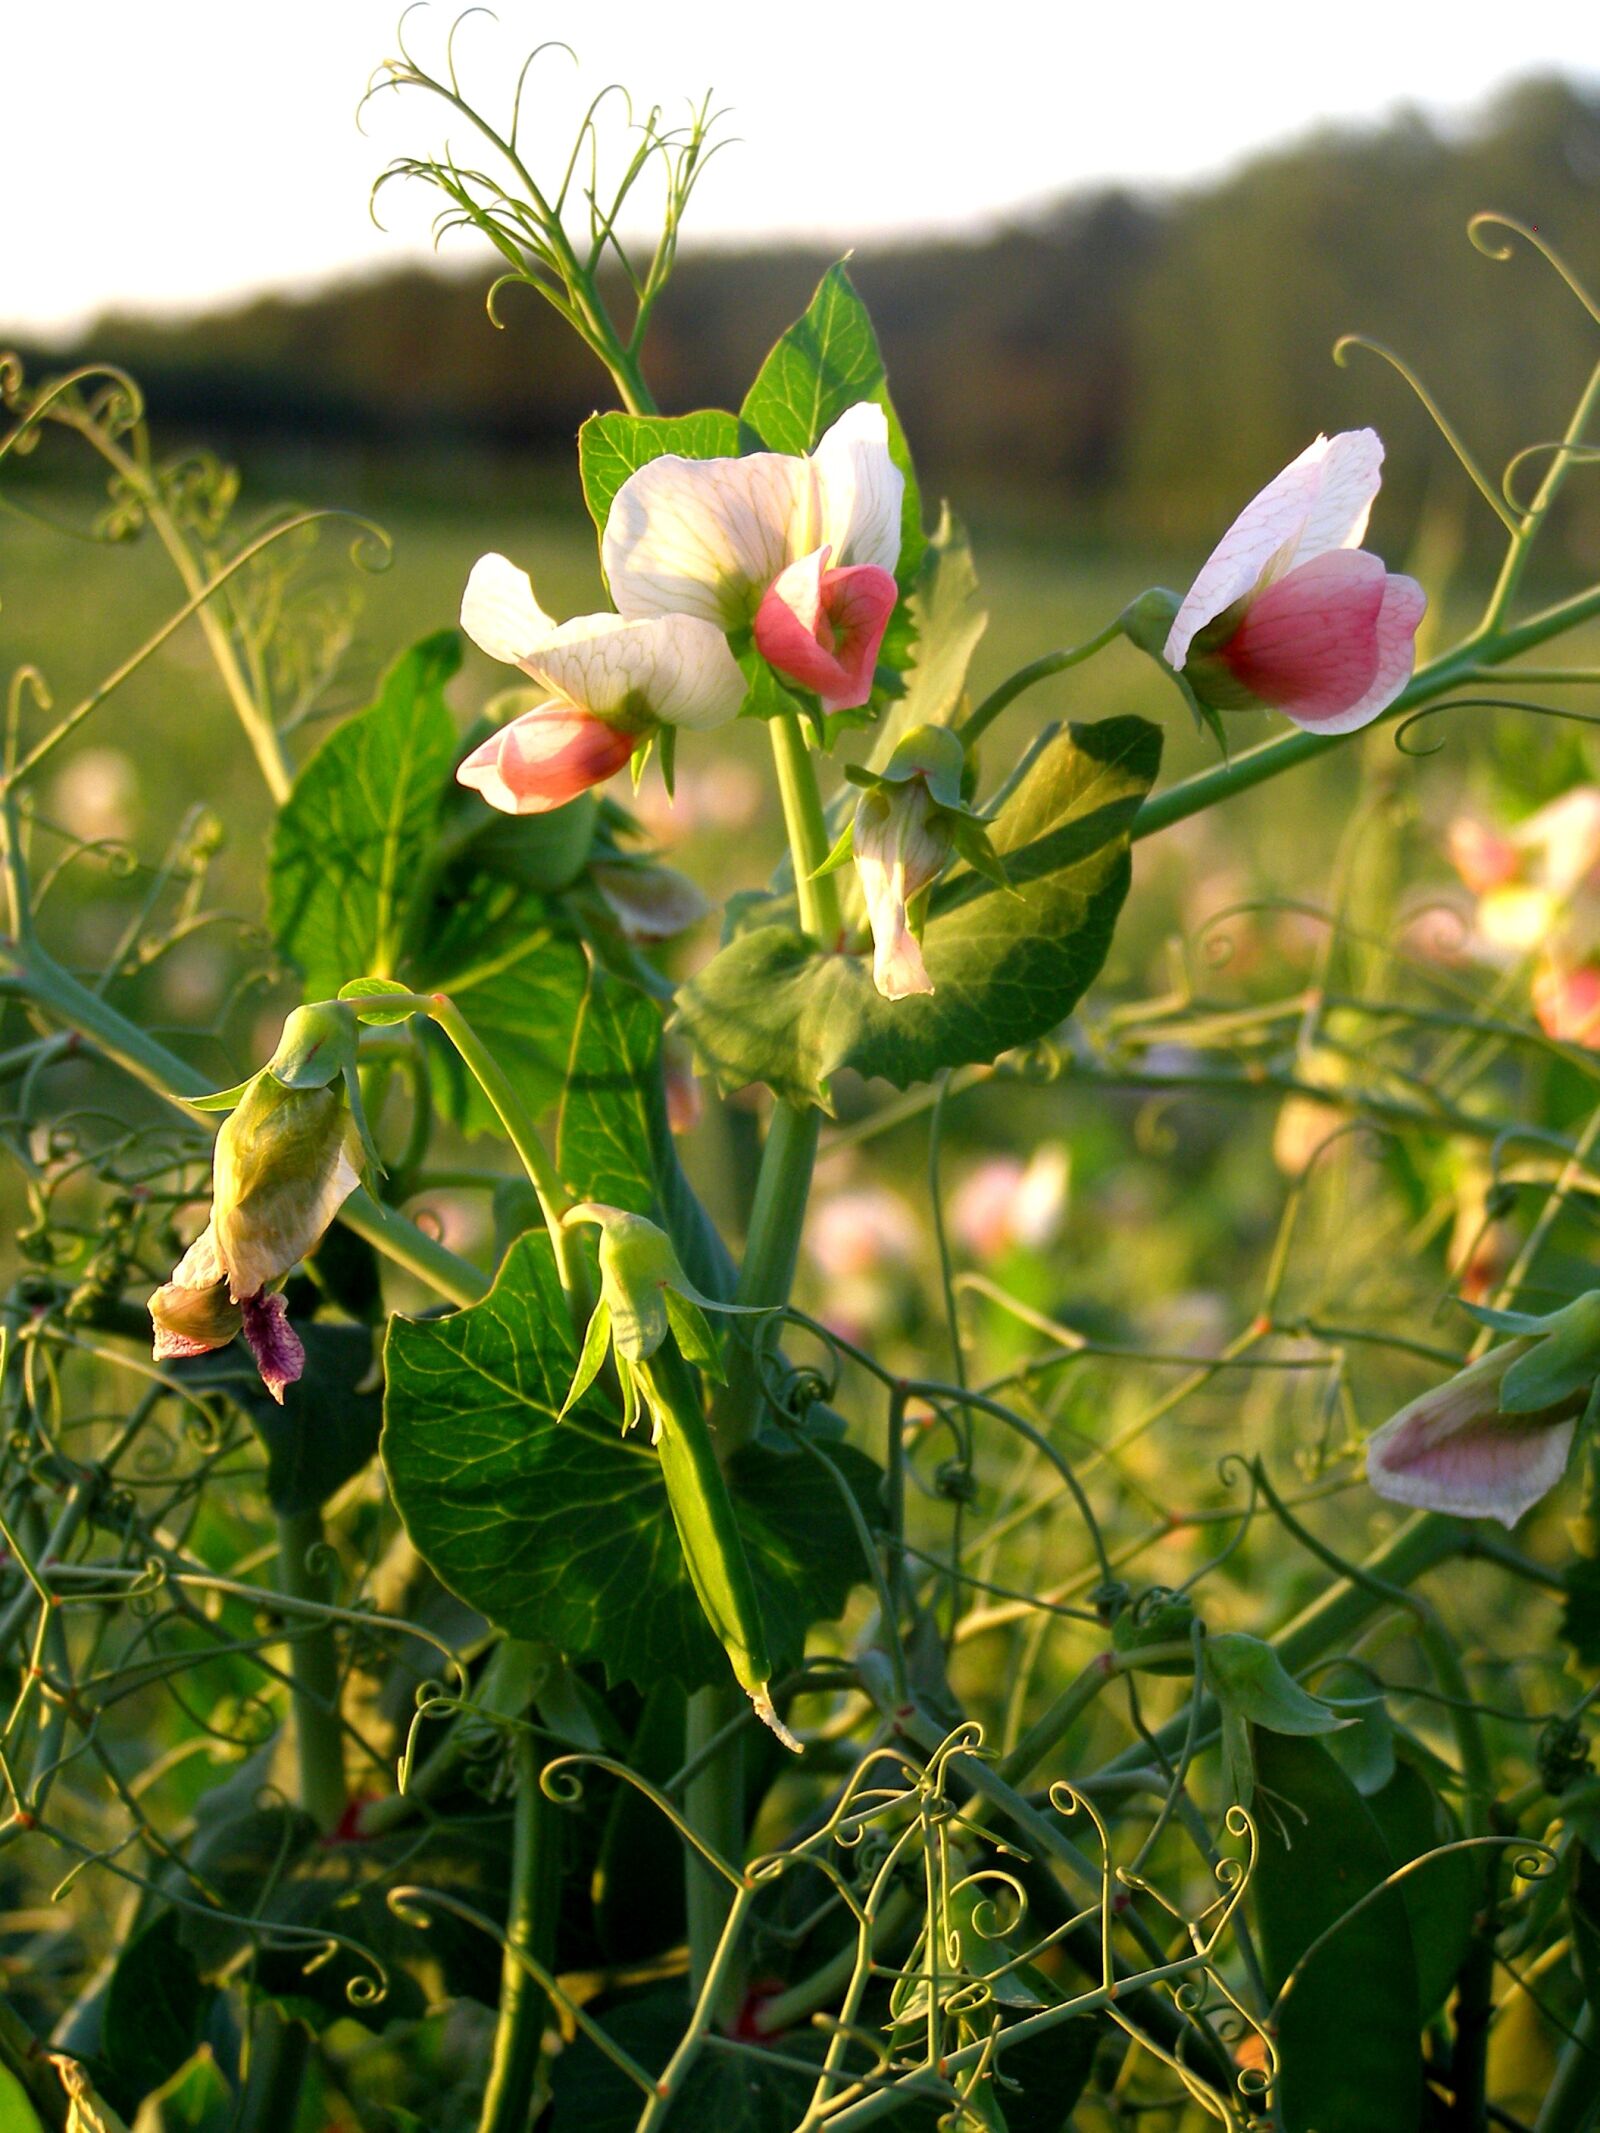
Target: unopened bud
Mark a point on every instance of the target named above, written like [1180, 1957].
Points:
[280, 1173]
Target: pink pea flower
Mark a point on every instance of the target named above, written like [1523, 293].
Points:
[802, 549]
[1005, 1204]
[1290, 612]
[1567, 1002]
[612, 682]
[1455, 1450]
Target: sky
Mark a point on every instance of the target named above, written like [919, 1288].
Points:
[184, 152]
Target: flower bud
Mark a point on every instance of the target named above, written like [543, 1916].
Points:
[901, 846]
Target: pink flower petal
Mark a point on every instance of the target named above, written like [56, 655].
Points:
[1483, 1465]
[544, 759]
[1309, 645]
[1481, 856]
[822, 628]
[273, 1342]
[1404, 605]
[1319, 502]
[1567, 1003]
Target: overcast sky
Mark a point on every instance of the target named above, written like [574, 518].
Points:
[174, 152]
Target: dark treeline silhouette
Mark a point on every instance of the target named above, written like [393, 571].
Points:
[1140, 363]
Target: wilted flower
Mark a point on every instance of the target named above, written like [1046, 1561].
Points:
[1290, 612]
[802, 550]
[1004, 1203]
[281, 1169]
[613, 684]
[1495, 1438]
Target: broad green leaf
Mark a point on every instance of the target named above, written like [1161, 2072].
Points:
[351, 843]
[17, 2114]
[562, 1531]
[825, 363]
[1443, 1895]
[948, 623]
[1248, 1678]
[519, 978]
[1007, 968]
[1348, 2027]
[614, 1144]
[327, 1428]
[368, 996]
[1365, 1750]
[155, 2009]
[1559, 1367]
[195, 2100]
[613, 446]
[1580, 1613]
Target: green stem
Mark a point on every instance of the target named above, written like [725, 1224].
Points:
[554, 1198]
[314, 1671]
[807, 829]
[530, 1932]
[1190, 796]
[1549, 489]
[1025, 678]
[713, 1805]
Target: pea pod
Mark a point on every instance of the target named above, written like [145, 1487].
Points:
[713, 1547]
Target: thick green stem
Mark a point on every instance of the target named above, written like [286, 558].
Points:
[496, 1084]
[713, 1804]
[530, 1932]
[807, 829]
[1026, 677]
[314, 1671]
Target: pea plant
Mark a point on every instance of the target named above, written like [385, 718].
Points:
[570, 1666]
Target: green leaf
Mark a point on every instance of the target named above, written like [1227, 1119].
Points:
[1348, 2028]
[195, 2100]
[369, 993]
[1583, 1908]
[1365, 1750]
[614, 1144]
[327, 1428]
[825, 363]
[221, 1100]
[351, 842]
[1580, 1615]
[949, 624]
[1007, 967]
[1442, 1896]
[562, 1531]
[155, 2009]
[1249, 1680]
[1560, 1366]
[17, 2114]
[613, 446]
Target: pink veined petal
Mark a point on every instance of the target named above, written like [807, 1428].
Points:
[1487, 1466]
[544, 759]
[859, 490]
[1350, 474]
[822, 628]
[274, 1343]
[1309, 645]
[1404, 605]
[701, 536]
[1267, 530]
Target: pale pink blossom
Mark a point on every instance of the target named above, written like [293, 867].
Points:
[1538, 883]
[900, 848]
[860, 1231]
[1005, 1204]
[1566, 1002]
[802, 549]
[612, 682]
[1289, 611]
[1453, 1450]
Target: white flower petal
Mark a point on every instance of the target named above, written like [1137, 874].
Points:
[859, 491]
[673, 667]
[1350, 473]
[702, 537]
[499, 612]
[1265, 535]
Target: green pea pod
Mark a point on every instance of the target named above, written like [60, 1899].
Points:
[713, 1547]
